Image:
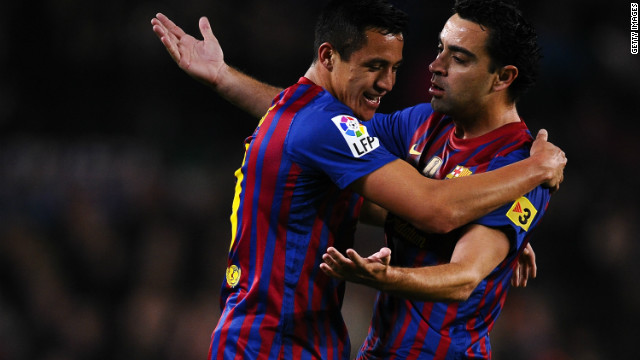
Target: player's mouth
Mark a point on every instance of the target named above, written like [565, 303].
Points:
[372, 100]
[436, 90]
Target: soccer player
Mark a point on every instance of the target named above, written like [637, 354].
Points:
[304, 166]
[441, 294]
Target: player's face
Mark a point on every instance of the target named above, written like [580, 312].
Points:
[369, 74]
[461, 82]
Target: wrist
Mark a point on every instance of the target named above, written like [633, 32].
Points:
[538, 169]
[219, 78]
[387, 280]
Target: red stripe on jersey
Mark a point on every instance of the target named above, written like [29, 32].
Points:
[247, 215]
[244, 252]
[445, 339]
[321, 282]
[401, 334]
[272, 155]
[421, 334]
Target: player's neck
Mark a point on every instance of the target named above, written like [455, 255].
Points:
[319, 77]
[480, 122]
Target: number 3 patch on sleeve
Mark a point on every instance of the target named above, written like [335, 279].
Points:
[522, 213]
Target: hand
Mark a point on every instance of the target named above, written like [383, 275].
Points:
[201, 59]
[525, 268]
[354, 268]
[551, 158]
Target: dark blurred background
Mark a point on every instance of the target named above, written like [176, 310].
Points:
[116, 176]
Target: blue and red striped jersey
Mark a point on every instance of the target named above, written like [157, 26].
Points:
[408, 329]
[291, 203]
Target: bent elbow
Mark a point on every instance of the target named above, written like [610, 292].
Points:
[468, 282]
[463, 293]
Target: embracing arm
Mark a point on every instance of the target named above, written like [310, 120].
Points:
[204, 61]
[477, 253]
[441, 206]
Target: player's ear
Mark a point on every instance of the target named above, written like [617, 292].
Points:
[326, 55]
[506, 75]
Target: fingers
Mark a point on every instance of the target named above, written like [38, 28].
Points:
[168, 33]
[335, 260]
[355, 257]
[515, 279]
[532, 257]
[172, 28]
[519, 278]
[335, 263]
[329, 271]
[329, 264]
[158, 28]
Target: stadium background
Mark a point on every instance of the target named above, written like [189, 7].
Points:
[116, 176]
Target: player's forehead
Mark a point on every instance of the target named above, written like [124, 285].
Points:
[380, 47]
[462, 33]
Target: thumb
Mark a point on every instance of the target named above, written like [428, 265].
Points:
[385, 255]
[205, 28]
[542, 135]
[385, 251]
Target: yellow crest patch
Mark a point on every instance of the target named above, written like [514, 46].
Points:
[522, 213]
[459, 171]
[233, 275]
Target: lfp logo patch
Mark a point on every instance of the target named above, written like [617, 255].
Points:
[522, 213]
[233, 275]
[356, 135]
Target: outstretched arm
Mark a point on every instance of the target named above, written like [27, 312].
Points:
[429, 205]
[477, 253]
[204, 61]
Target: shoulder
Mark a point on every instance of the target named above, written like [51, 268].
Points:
[321, 115]
[523, 214]
[415, 113]
[510, 143]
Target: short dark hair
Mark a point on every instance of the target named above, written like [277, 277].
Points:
[512, 39]
[343, 24]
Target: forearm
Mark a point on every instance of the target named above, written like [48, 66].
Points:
[439, 206]
[468, 198]
[447, 282]
[478, 251]
[245, 92]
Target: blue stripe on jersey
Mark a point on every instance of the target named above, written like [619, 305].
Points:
[270, 241]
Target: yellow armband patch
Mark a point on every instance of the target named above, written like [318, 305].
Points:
[522, 213]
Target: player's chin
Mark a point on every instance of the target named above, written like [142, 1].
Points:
[365, 112]
[439, 105]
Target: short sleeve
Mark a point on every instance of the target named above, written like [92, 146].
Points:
[521, 215]
[396, 130]
[337, 144]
